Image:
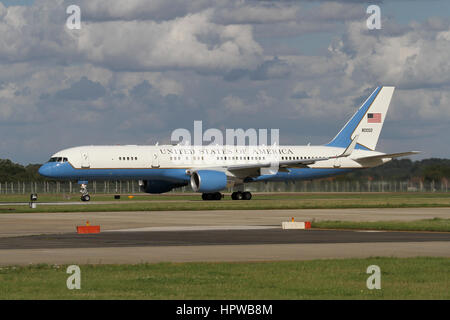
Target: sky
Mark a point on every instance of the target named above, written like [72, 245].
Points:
[139, 69]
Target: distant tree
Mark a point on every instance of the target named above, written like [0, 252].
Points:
[435, 172]
[10, 171]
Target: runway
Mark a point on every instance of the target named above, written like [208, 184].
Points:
[213, 237]
[225, 235]
[13, 224]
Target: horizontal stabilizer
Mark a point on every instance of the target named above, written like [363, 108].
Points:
[388, 155]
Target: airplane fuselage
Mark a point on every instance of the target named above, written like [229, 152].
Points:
[167, 161]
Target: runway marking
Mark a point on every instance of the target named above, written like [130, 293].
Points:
[196, 228]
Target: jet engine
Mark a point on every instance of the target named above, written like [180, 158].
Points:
[208, 181]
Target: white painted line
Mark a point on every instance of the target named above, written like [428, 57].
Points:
[195, 228]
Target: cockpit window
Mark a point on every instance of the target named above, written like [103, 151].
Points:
[58, 159]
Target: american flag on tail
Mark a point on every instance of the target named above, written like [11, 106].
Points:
[374, 117]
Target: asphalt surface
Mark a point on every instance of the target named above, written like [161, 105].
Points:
[38, 223]
[213, 237]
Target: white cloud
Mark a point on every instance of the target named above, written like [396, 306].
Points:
[241, 12]
[417, 58]
[174, 44]
[189, 42]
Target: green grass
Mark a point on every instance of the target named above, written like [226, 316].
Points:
[259, 202]
[436, 224]
[401, 278]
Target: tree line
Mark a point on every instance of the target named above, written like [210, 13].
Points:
[426, 170]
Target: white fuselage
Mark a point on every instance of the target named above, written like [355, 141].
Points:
[168, 156]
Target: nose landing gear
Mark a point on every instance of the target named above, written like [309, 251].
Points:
[84, 193]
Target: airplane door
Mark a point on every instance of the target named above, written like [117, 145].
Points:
[155, 159]
[85, 163]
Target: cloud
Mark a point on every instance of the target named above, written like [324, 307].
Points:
[241, 12]
[269, 69]
[157, 10]
[173, 44]
[84, 89]
[414, 59]
[38, 33]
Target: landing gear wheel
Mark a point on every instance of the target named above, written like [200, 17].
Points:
[246, 195]
[237, 195]
[212, 196]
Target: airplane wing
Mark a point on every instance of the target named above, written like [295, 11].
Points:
[387, 155]
[296, 163]
[256, 169]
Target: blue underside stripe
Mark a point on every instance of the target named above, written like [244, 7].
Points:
[65, 171]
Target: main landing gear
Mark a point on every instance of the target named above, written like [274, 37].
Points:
[239, 195]
[212, 196]
[84, 193]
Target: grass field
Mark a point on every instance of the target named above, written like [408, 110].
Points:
[436, 224]
[401, 278]
[259, 202]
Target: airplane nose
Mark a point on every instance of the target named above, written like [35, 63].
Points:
[45, 170]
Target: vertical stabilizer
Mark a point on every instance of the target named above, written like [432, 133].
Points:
[367, 122]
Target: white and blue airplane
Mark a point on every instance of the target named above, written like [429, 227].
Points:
[212, 168]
